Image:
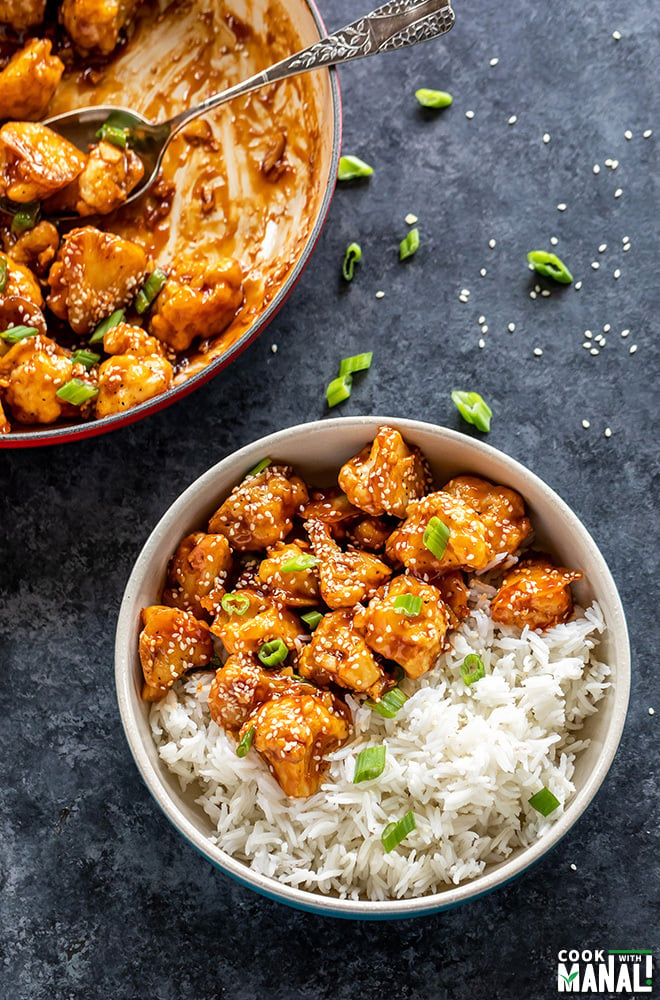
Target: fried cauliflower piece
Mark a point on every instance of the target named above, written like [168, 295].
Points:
[35, 162]
[260, 510]
[346, 578]
[240, 686]
[125, 381]
[261, 622]
[35, 249]
[332, 507]
[501, 509]
[171, 643]
[29, 80]
[104, 184]
[385, 476]
[127, 339]
[294, 733]
[93, 274]
[21, 301]
[370, 534]
[338, 654]
[94, 25]
[199, 299]
[467, 545]
[534, 593]
[22, 13]
[21, 282]
[297, 588]
[199, 567]
[31, 372]
[454, 593]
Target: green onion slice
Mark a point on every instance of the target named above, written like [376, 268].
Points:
[112, 134]
[370, 764]
[77, 392]
[544, 802]
[312, 619]
[86, 358]
[410, 245]
[150, 290]
[338, 390]
[351, 257]
[409, 605]
[394, 833]
[235, 604]
[299, 563]
[273, 652]
[389, 704]
[25, 218]
[18, 333]
[351, 167]
[435, 537]
[247, 739]
[356, 363]
[4, 274]
[472, 668]
[473, 408]
[111, 321]
[433, 98]
[550, 266]
[259, 467]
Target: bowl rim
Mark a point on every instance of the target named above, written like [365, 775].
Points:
[306, 899]
[74, 432]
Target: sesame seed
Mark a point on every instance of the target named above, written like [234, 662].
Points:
[608, 432]
[461, 298]
[484, 328]
[588, 334]
[546, 137]
[625, 239]
[628, 134]
[573, 868]
[602, 248]
[482, 342]
[483, 272]
[482, 319]
[633, 348]
[512, 120]
[380, 295]
[554, 241]
[616, 273]
[546, 293]
[651, 711]
[616, 35]
[469, 115]
[410, 219]
[625, 333]
[595, 265]
[596, 168]
[494, 61]
[492, 243]
[561, 207]
[511, 327]
[532, 294]
[587, 345]
[594, 351]
[586, 425]
[538, 352]
[618, 192]
[273, 348]
[626, 247]
[607, 328]
[647, 133]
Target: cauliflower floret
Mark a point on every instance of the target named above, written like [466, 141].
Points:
[467, 546]
[29, 80]
[295, 588]
[385, 476]
[127, 339]
[338, 654]
[245, 631]
[240, 686]
[501, 509]
[125, 381]
[199, 299]
[294, 733]
[260, 510]
[95, 24]
[370, 534]
[346, 578]
[105, 183]
[171, 642]
[21, 301]
[22, 13]
[94, 273]
[21, 282]
[535, 593]
[35, 249]
[332, 507]
[31, 372]
[35, 162]
[199, 566]
[454, 593]
[414, 642]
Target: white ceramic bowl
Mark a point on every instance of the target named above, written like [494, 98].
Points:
[320, 448]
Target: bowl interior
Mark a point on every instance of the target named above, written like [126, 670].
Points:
[316, 451]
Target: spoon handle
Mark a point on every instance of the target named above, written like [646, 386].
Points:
[392, 26]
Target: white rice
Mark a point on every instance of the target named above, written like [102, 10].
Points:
[465, 759]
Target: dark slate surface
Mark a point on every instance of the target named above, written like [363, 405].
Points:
[100, 896]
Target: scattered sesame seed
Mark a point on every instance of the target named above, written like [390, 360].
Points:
[618, 192]
[511, 327]
[586, 425]
[647, 133]
[587, 345]
[561, 207]
[532, 295]
[462, 298]
[483, 272]
[596, 168]
[616, 35]
[482, 319]
[554, 241]
[492, 244]
[494, 61]
[595, 265]
[381, 295]
[651, 711]
[633, 348]
[573, 868]
[482, 342]
[602, 248]
[625, 333]
[273, 348]
[484, 329]
[616, 273]
[537, 288]
[608, 432]
[546, 293]
[538, 352]
[626, 247]
[625, 239]
[546, 137]
[588, 334]
[465, 291]
[594, 351]
[607, 328]
[469, 114]
[578, 286]
[603, 341]
[628, 134]
[410, 219]
[512, 120]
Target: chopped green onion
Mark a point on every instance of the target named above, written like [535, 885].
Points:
[472, 668]
[394, 833]
[299, 563]
[111, 321]
[86, 358]
[18, 333]
[235, 604]
[312, 619]
[389, 704]
[370, 764]
[544, 802]
[259, 467]
[550, 266]
[351, 167]
[435, 537]
[338, 390]
[273, 652]
[112, 134]
[433, 98]
[351, 257]
[356, 363]
[409, 605]
[473, 408]
[247, 739]
[25, 218]
[150, 290]
[77, 392]
[4, 274]
[410, 245]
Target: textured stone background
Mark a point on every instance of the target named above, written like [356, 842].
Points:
[100, 897]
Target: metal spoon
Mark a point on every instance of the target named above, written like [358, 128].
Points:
[394, 25]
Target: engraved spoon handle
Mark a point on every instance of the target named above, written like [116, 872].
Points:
[392, 26]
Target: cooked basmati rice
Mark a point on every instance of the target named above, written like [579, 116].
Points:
[465, 759]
